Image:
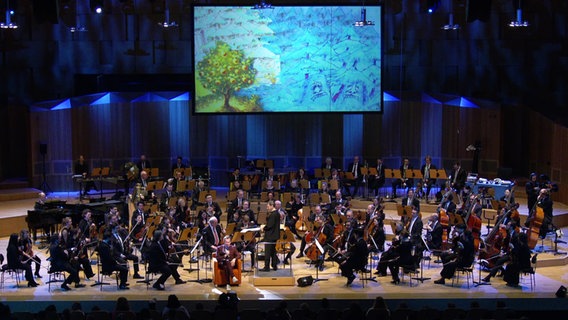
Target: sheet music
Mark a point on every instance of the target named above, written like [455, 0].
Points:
[257, 229]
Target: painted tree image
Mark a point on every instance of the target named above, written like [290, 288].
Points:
[224, 71]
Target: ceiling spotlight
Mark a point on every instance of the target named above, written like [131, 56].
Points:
[167, 23]
[262, 5]
[97, 6]
[363, 22]
[451, 25]
[519, 22]
[8, 24]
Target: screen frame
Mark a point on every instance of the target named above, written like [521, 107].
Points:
[242, 4]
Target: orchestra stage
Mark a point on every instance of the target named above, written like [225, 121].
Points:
[551, 274]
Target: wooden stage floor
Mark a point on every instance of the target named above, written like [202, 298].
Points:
[548, 281]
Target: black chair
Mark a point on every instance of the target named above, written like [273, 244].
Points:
[467, 271]
[530, 271]
[18, 274]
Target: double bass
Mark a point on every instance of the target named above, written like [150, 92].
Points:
[474, 224]
[535, 219]
[496, 239]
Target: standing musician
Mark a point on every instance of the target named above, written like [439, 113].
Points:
[404, 181]
[532, 188]
[377, 181]
[74, 242]
[357, 255]
[434, 232]
[25, 246]
[18, 259]
[427, 181]
[543, 201]
[158, 262]
[271, 235]
[59, 258]
[109, 262]
[122, 251]
[227, 257]
[212, 235]
[462, 255]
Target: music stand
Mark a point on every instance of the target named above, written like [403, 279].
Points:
[422, 278]
[191, 260]
[403, 212]
[320, 256]
[480, 282]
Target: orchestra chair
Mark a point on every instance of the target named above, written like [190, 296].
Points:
[410, 271]
[17, 274]
[467, 271]
[530, 272]
[219, 277]
[489, 215]
[54, 275]
[101, 274]
[286, 197]
[148, 276]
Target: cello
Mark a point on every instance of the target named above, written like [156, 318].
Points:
[474, 224]
[495, 239]
[313, 252]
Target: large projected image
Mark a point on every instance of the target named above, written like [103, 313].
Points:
[287, 59]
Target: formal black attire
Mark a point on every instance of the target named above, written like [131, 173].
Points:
[158, 263]
[520, 260]
[462, 256]
[83, 170]
[378, 181]
[428, 180]
[271, 235]
[143, 165]
[546, 204]
[357, 258]
[532, 189]
[354, 168]
[14, 258]
[122, 251]
[109, 263]
[402, 256]
[458, 178]
[292, 215]
[60, 262]
[399, 182]
[211, 237]
[434, 236]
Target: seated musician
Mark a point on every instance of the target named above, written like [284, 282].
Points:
[404, 182]
[138, 230]
[236, 186]
[458, 177]
[122, 250]
[316, 212]
[302, 175]
[270, 175]
[328, 164]
[74, 243]
[178, 165]
[293, 187]
[434, 232]
[377, 217]
[357, 255]
[237, 203]
[322, 226]
[139, 211]
[462, 255]
[391, 253]
[508, 198]
[59, 258]
[520, 260]
[269, 187]
[448, 203]
[25, 246]
[199, 188]
[247, 211]
[143, 181]
[411, 200]
[158, 262]
[377, 181]
[181, 213]
[339, 204]
[109, 262]
[355, 169]
[227, 257]
[169, 193]
[335, 176]
[18, 259]
[217, 212]
[292, 208]
[243, 245]
[236, 176]
[402, 256]
[511, 239]
[427, 181]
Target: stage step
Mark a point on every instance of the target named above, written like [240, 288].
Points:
[18, 194]
[281, 277]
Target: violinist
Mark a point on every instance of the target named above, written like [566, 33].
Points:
[121, 249]
[246, 211]
[59, 258]
[377, 218]
[74, 242]
[357, 255]
[25, 246]
[227, 257]
[139, 211]
[17, 259]
[181, 213]
[158, 262]
[138, 230]
[462, 255]
[249, 246]
[402, 256]
[391, 253]
[434, 231]
[109, 263]
[203, 219]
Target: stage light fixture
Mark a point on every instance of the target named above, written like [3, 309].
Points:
[451, 25]
[363, 22]
[8, 24]
[432, 6]
[518, 22]
[262, 5]
[167, 23]
[97, 6]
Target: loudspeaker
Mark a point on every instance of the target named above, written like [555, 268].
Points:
[561, 293]
[305, 281]
[43, 148]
